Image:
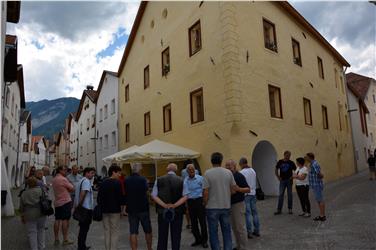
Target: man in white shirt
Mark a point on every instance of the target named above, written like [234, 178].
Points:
[250, 199]
[84, 198]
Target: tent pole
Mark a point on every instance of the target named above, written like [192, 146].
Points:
[156, 168]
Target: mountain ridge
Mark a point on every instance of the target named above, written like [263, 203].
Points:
[48, 116]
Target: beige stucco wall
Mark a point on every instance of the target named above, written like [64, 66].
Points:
[371, 117]
[235, 91]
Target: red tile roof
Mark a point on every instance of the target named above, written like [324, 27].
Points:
[358, 84]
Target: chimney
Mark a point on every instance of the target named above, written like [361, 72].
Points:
[89, 87]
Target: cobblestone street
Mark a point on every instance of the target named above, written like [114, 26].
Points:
[351, 220]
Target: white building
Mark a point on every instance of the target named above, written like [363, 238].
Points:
[86, 124]
[39, 153]
[106, 122]
[359, 116]
[73, 140]
[24, 148]
[10, 12]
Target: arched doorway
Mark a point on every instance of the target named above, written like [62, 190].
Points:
[264, 159]
[104, 171]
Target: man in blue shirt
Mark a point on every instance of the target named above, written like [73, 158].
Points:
[316, 184]
[196, 207]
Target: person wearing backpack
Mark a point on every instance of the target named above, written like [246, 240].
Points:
[31, 214]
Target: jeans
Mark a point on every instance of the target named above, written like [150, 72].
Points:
[222, 216]
[111, 230]
[197, 214]
[84, 229]
[283, 184]
[251, 209]
[35, 233]
[175, 230]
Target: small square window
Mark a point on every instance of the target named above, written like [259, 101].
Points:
[194, 38]
[307, 111]
[270, 38]
[146, 77]
[297, 59]
[275, 102]
[167, 125]
[165, 62]
[197, 106]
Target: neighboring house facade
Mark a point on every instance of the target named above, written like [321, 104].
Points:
[39, 153]
[73, 140]
[14, 104]
[61, 149]
[245, 79]
[10, 12]
[106, 122]
[24, 148]
[361, 89]
[51, 159]
[86, 125]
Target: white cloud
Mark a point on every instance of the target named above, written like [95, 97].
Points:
[361, 59]
[57, 65]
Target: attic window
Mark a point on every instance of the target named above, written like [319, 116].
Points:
[270, 38]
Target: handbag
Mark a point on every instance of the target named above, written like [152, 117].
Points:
[97, 213]
[80, 213]
[259, 193]
[45, 204]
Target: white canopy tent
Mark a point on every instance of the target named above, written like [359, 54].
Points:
[114, 157]
[153, 152]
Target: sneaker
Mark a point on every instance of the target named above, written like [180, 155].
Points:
[277, 213]
[319, 218]
[307, 215]
[303, 214]
[57, 242]
[256, 234]
[249, 236]
[67, 242]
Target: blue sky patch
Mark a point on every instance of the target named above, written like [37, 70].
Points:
[37, 44]
[121, 38]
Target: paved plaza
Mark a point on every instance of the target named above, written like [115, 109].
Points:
[351, 224]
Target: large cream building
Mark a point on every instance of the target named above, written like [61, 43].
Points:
[245, 79]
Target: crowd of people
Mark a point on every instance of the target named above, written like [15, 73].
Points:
[225, 196]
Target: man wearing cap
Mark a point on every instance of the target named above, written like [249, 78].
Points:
[170, 194]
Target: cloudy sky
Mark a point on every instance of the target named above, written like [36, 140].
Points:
[65, 46]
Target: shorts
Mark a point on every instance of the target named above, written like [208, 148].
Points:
[63, 212]
[135, 219]
[317, 192]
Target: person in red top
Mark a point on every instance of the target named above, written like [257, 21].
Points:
[122, 185]
[63, 204]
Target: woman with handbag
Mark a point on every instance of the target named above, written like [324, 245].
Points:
[31, 214]
[110, 201]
